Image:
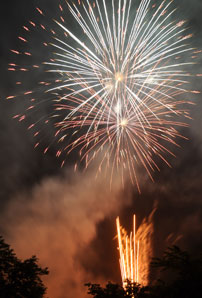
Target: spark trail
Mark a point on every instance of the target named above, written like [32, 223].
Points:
[129, 253]
[135, 250]
[120, 82]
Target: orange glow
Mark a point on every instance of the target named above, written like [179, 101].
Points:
[124, 122]
[135, 250]
[118, 76]
[129, 253]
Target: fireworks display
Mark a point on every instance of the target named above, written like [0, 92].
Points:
[120, 79]
[105, 83]
[129, 253]
[135, 250]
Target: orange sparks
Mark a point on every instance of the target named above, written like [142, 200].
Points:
[10, 97]
[181, 23]
[46, 149]
[128, 247]
[32, 23]
[28, 92]
[21, 38]
[58, 153]
[75, 167]
[31, 126]
[22, 118]
[27, 29]
[187, 36]
[43, 27]
[135, 250]
[30, 108]
[40, 11]
[15, 52]
[196, 92]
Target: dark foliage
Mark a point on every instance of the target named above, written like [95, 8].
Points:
[186, 271]
[185, 279]
[19, 279]
[116, 291]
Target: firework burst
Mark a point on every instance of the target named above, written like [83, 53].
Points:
[120, 76]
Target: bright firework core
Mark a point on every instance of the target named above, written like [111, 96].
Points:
[119, 77]
[124, 122]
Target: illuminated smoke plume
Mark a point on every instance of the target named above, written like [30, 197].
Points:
[145, 236]
[55, 222]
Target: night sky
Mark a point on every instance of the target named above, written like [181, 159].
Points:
[67, 219]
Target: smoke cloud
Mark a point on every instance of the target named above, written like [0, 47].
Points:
[56, 221]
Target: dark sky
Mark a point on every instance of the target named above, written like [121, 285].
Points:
[67, 219]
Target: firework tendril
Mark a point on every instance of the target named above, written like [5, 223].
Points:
[122, 78]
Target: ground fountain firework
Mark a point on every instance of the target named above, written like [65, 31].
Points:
[135, 250]
[117, 83]
[129, 253]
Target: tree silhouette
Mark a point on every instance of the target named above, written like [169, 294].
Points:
[184, 280]
[19, 279]
[112, 290]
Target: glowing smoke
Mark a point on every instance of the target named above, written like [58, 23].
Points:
[55, 222]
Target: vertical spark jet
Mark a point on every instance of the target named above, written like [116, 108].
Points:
[129, 253]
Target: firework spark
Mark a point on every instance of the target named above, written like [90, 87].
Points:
[129, 253]
[120, 79]
[135, 251]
